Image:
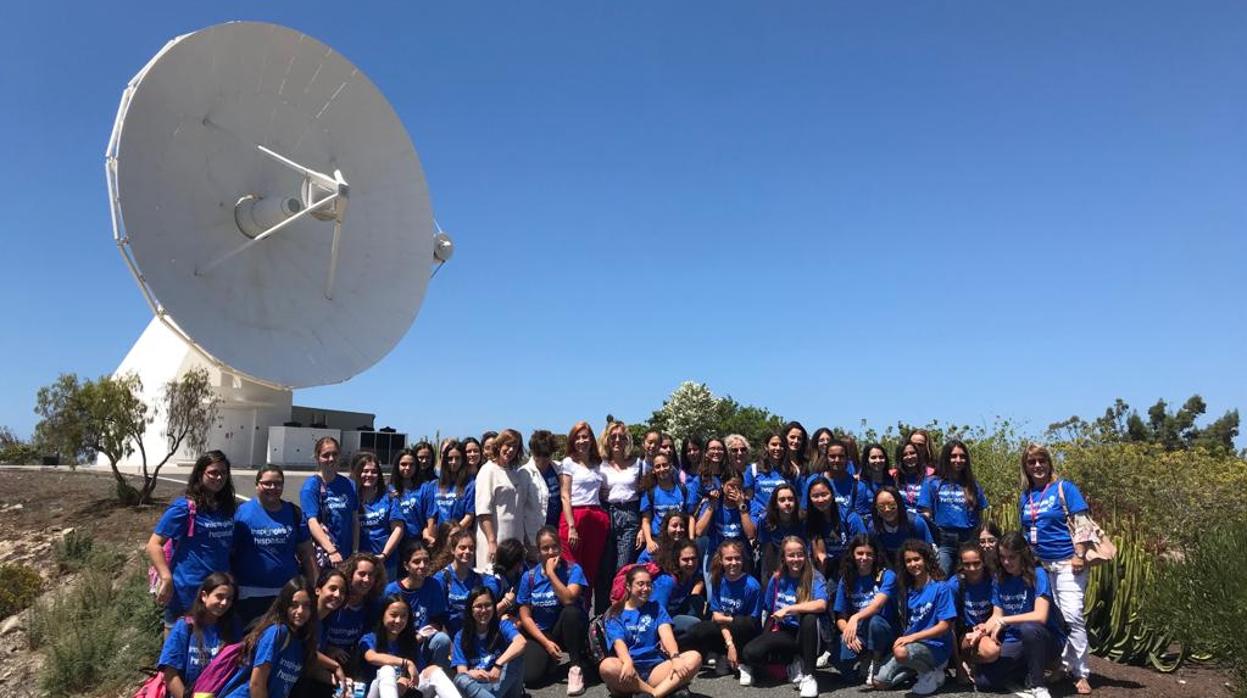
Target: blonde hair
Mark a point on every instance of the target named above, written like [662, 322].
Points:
[604, 446]
[1034, 449]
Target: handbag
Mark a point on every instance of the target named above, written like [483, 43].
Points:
[1100, 548]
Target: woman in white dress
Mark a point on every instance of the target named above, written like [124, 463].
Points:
[507, 501]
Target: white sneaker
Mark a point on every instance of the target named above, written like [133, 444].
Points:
[794, 671]
[809, 687]
[824, 660]
[929, 682]
[1040, 692]
[746, 675]
[868, 672]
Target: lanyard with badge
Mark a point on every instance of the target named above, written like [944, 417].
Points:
[1032, 508]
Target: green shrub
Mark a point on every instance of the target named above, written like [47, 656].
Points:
[95, 635]
[1201, 597]
[19, 586]
[77, 551]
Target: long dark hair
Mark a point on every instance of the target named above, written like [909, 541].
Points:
[510, 552]
[1015, 542]
[419, 477]
[200, 617]
[691, 440]
[814, 452]
[848, 565]
[358, 460]
[352, 563]
[913, 545]
[277, 614]
[815, 521]
[924, 460]
[800, 456]
[458, 479]
[223, 500]
[766, 465]
[773, 516]
[665, 541]
[406, 640]
[468, 639]
[989, 567]
[965, 478]
[671, 564]
[863, 468]
[902, 517]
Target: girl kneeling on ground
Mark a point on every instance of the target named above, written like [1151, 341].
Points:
[389, 668]
[865, 608]
[972, 592]
[488, 652]
[1023, 620]
[929, 615]
[795, 600]
[646, 657]
[735, 607]
[552, 615]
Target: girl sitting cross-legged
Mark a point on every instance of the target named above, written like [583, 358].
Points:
[552, 615]
[646, 657]
[389, 667]
[488, 653]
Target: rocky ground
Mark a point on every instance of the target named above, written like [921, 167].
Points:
[38, 506]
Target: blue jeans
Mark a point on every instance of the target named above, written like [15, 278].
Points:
[949, 540]
[877, 636]
[894, 671]
[436, 650]
[1028, 656]
[511, 685]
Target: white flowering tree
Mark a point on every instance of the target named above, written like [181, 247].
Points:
[690, 409]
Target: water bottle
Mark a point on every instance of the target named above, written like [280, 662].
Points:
[361, 689]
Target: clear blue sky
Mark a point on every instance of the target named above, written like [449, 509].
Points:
[837, 211]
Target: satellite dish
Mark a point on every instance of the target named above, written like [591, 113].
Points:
[269, 202]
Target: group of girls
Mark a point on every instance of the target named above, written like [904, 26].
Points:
[754, 563]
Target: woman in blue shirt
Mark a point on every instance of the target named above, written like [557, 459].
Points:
[552, 614]
[725, 516]
[275, 653]
[488, 653]
[912, 470]
[770, 471]
[381, 524]
[645, 657]
[330, 505]
[781, 519]
[892, 525]
[735, 607]
[271, 543]
[412, 468]
[661, 493]
[953, 502]
[1022, 621]
[927, 642]
[865, 608]
[391, 659]
[828, 528]
[449, 500]
[460, 578]
[201, 525]
[1046, 508]
[875, 469]
[426, 601]
[340, 630]
[795, 601]
[673, 527]
[679, 586]
[972, 592]
[195, 639]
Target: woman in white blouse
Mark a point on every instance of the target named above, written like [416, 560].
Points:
[622, 473]
[506, 499]
[584, 525]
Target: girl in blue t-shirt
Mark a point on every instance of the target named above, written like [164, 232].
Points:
[391, 652]
[488, 653]
[673, 527]
[929, 611]
[275, 653]
[450, 500]
[795, 601]
[201, 525]
[381, 524]
[892, 525]
[972, 592]
[735, 609]
[876, 469]
[195, 639]
[330, 667]
[781, 519]
[460, 578]
[271, 544]
[340, 630]
[412, 468]
[661, 493]
[865, 608]
[828, 527]
[510, 563]
[644, 655]
[330, 505]
[1047, 507]
[952, 502]
[769, 472]
[680, 587]
[833, 464]
[913, 469]
[1023, 621]
[552, 613]
[426, 601]
[725, 516]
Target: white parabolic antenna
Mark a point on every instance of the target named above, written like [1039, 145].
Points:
[270, 204]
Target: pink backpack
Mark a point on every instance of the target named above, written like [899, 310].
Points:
[153, 687]
[218, 672]
[153, 576]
